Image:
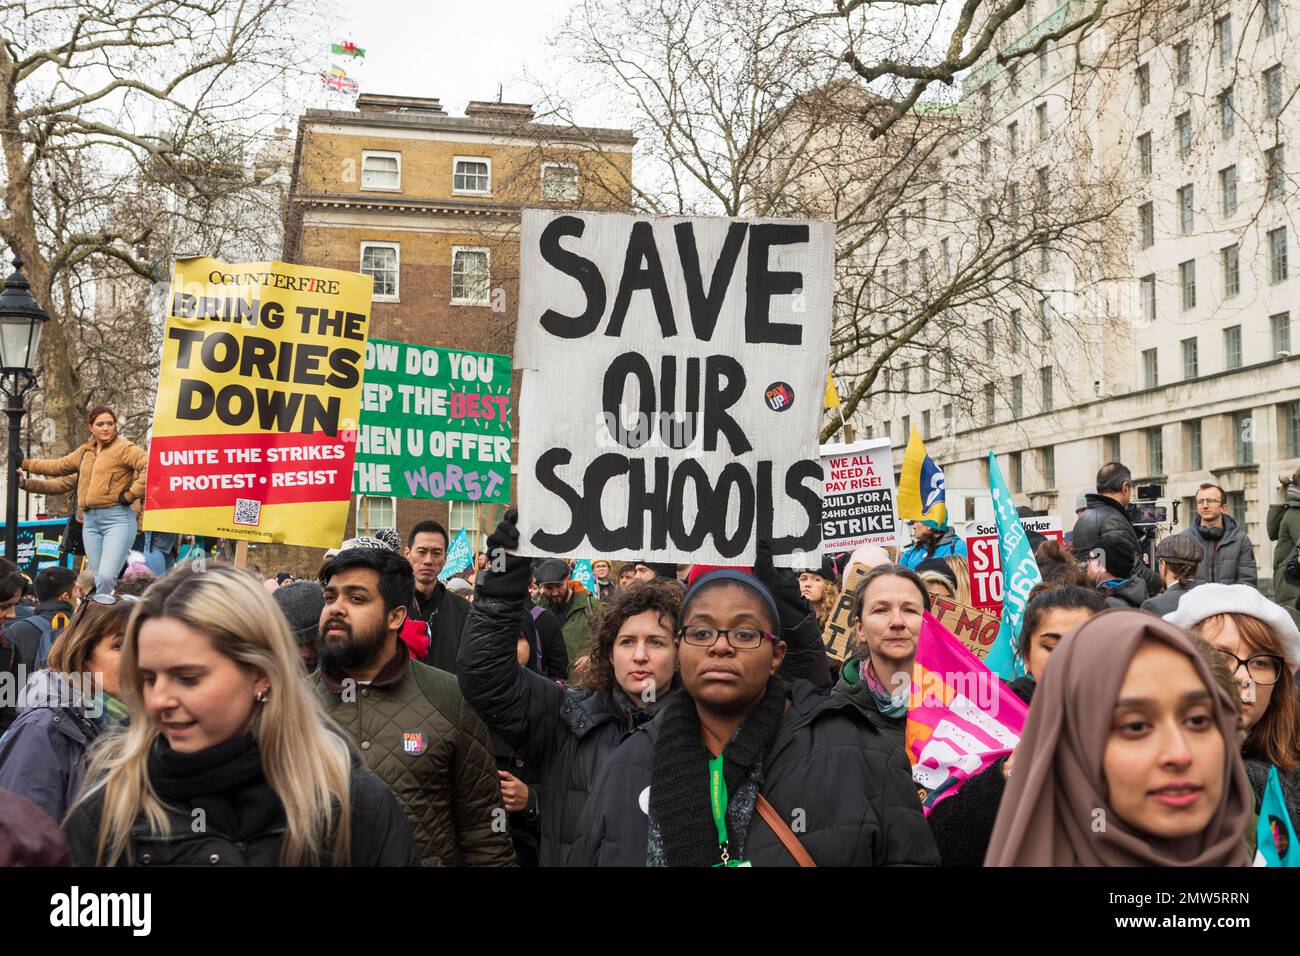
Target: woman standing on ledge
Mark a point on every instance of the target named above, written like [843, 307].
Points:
[108, 475]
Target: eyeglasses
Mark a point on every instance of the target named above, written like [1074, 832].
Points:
[741, 638]
[108, 600]
[1208, 501]
[1264, 669]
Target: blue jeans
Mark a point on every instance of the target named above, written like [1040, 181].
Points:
[107, 534]
[158, 559]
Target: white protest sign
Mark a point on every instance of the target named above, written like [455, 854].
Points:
[673, 375]
[858, 496]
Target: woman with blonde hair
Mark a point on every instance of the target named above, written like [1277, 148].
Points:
[228, 758]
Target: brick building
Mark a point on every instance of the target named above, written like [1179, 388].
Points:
[429, 205]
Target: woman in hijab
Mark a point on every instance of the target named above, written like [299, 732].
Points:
[1128, 757]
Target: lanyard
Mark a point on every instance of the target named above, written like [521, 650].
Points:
[718, 799]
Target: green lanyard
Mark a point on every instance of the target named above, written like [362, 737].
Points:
[718, 798]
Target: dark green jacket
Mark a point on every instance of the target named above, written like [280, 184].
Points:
[579, 622]
[1284, 528]
[852, 686]
[418, 736]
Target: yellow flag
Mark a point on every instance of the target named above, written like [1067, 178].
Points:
[832, 399]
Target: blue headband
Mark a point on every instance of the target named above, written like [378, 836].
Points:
[737, 577]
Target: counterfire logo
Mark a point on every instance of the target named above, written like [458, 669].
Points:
[103, 909]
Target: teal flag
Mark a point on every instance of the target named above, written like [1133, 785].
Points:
[459, 557]
[1274, 835]
[584, 575]
[1019, 575]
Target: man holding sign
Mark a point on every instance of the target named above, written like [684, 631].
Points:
[687, 429]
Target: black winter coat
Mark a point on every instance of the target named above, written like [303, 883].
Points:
[445, 615]
[1106, 520]
[381, 834]
[853, 784]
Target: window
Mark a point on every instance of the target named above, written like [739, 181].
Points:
[1013, 74]
[1183, 63]
[1047, 467]
[1147, 225]
[1017, 396]
[1013, 139]
[1017, 472]
[1232, 346]
[1042, 64]
[1147, 295]
[1015, 269]
[1277, 266]
[1144, 154]
[1273, 90]
[1280, 327]
[381, 170]
[907, 378]
[925, 378]
[1186, 199]
[1013, 203]
[1228, 191]
[1040, 112]
[1045, 318]
[1016, 331]
[924, 263]
[1044, 258]
[947, 419]
[1272, 17]
[1227, 115]
[380, 261]
[1195, 456]
[907, 427]
[1191, 366]
[1155, 451]
[989, 347]
[1231, 271]
[1223, 37]
[1112, 448]
[472, 175]
[1243, 437]
[375, 513]
[1275, 171]
[943, 200]
[470, 276]
[986, 157]
[463, 516]
[1291, 428]
[990, 404]
[1042, 176]
[1045, 379]
[1144, 84]
[1187, 279]
[925, 424]
[559, 182]
[946, 255]
[1183, 129]
[1150, 371]
[922, 208]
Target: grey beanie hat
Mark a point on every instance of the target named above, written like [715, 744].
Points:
[302, 604]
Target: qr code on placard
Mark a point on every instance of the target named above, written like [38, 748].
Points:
[248, 511]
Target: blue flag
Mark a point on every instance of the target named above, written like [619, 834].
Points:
[584, 575]
[1019, 575]
[1274, 835]
[459, 557]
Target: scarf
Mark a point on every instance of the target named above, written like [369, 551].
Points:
[886, 703]
[682, 831]
[1046, 816]
[115, 712]
[226, 782]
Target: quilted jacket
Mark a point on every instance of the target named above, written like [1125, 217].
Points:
[418, 735]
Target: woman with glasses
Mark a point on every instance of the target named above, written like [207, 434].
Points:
[746, 767]
[228, 758]
[66, 706]
[1261, 646]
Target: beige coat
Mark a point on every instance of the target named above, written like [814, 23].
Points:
[111, 476]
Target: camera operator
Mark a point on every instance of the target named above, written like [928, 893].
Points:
[1106, 526]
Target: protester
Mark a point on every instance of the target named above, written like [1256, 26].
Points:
[961, 576]
[108, 473]
[742, 740]
[577, 609]
[819, 589]
[1110, 570]
[135, 581]
[940, 579]
[1229, 554]
[1284, 527]
[1128, 757]
[53, 611]
[933, 540]
[605, 589]
[11, 592]
[1105, 525]
[1056, 565]
[1261, 646]
[224, 730]
[1177, 559]
[886, 620]
[65, 707]
[963, 823]
[626, 575]
[461, 588]
[409, 720]
[158, 548]
[28, 837]
[85, 586]
[301, 604]
[1080, 506]
[442, 613]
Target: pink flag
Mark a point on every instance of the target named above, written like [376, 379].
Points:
[960, 718]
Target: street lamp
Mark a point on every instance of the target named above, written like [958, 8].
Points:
[21, 318]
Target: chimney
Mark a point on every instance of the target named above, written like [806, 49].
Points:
[385, 103]
[490, 110]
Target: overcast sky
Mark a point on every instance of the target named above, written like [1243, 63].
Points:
[457, 51]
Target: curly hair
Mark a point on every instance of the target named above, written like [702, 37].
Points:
[660, 596]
